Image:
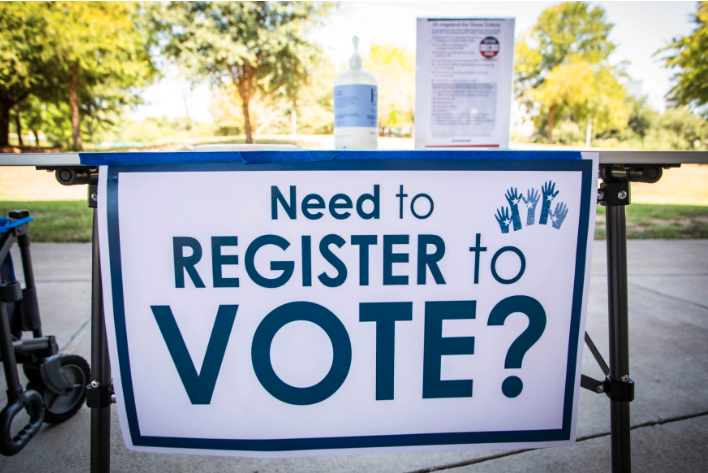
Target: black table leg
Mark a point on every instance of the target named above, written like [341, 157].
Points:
[100, 366]
[619, 341]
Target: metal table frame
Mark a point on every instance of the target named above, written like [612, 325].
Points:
[617, 170]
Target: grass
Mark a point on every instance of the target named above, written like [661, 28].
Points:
[57, 220]
[70, 220]
[651, 221]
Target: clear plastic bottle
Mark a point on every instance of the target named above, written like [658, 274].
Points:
[356, 111]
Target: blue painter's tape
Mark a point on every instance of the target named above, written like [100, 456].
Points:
[6, 224]
[272, 157]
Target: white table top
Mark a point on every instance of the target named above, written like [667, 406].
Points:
[606, 157]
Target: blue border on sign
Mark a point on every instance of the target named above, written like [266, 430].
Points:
[294, 444]
[137, 158]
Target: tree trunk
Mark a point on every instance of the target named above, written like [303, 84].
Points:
[192, 125]
[549, 125]
[36, 136]
[5, 106]
[18, 124]
[74, 106]
[241, 77]
[247, 118]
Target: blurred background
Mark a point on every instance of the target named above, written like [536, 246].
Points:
[133, 75]
[128, 76]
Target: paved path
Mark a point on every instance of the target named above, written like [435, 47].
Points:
[668, 300]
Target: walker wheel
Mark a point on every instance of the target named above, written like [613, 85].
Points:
[59, 408]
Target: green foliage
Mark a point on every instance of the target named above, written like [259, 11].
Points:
[20, 46]
[24, 58]
[102, 58]
[691, 131]
[33, 115]
[562, 70]
[92, 56]
[689, 54]
[256, 47]
[648, 221]
[607, 107]
[263, 67]
[57, 220]
[562, 32]
[567, 133]
[107, 41]
[675, 129]
[226, 109]
[565, 89]
[70, 221]
[52, 119]
[154, 130]
[315, 105]
[394, 69]
[641, 117]
[273, 115]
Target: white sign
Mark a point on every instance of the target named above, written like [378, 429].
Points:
[464, 71]
[339, 306]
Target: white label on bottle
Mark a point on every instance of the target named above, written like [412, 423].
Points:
[355, 106]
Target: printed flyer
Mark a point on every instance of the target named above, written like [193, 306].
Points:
[464, 71]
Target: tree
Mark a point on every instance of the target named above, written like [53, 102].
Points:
[676, 129]
[23, 58]
[101, 55]
[687, 130]
[268, 113]
[394, 68]
[689, 54]
[34, 116]
[93, 55]
[315, 103]
[259, 47]
[565, 88]
[608, 106]
[562, 69]
[641, 117]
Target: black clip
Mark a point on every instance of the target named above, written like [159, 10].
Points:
[619, 391]
[614, 193]
[20, 229]
[99, 397]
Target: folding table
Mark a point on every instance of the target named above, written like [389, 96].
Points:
[617, 170]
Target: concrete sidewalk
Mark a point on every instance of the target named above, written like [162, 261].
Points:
[668, 300]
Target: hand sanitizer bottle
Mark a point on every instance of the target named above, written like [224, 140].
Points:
[356, 111]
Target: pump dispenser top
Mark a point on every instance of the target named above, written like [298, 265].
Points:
[355, 60]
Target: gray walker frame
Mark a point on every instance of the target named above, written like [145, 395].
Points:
[39, 355]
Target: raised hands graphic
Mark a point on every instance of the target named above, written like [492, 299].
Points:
[531, 203]
[508, 217]
[513, 197]
[548, 195]
[502, 217]
[558, 216]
